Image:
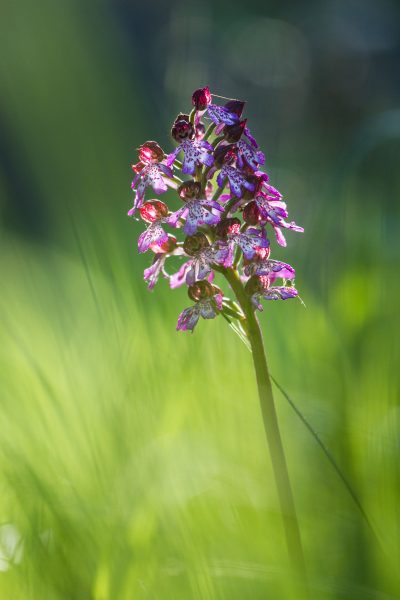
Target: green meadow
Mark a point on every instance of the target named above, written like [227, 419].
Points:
[133, 460]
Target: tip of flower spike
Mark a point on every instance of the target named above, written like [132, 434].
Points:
[201, 98]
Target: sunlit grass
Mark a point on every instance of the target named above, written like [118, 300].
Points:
[133, 458]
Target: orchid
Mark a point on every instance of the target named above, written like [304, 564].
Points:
[229, 208]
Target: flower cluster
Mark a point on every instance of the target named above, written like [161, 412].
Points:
[228, 206]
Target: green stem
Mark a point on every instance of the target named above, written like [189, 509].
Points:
[271, 427]
[209, 131]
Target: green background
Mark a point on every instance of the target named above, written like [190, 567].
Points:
[133, 462]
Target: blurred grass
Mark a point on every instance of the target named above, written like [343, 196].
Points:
[133, 460]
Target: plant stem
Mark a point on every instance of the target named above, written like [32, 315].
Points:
[271, 427]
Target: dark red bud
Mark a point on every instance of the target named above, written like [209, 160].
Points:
[150, 152]
[195, 243]
[189, 189]
[226, 226]
[201, 98]
[251, 213]
[200, 290]
[233, 133]
[153, 210]
[182, 128]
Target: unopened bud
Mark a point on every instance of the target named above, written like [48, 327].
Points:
[201, 290]
[195, 243]
[201, 98]
[189, 189]
[152, 210]
[182, 128]
[150, 152]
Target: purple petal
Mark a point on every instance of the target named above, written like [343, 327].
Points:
[171, 157]
[280, 293]
[220, 114]
[152, 274]
[207, 310]
[172, 220]
[166, 169]
[154, 234]
[280, 238]
[188, 319]
[250, 137]
[178, 279]
[220, 179]
[207, 145]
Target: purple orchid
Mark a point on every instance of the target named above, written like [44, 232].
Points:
[197, 212]
[249, 241]
[270, 268]
[161, 252]
[196, 153]
[154, 212]
[273, 293]
[259, 288]
[237, 181]
[208, 300]
[159, 176]
[204, 256]
[152, 274]
[275, 213]
[249, 155]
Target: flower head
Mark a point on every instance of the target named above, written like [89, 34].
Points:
[227, 207]
[201, 98]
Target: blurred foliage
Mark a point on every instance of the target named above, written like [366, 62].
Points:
[133, 459]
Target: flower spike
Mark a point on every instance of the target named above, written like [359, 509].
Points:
[228, 209]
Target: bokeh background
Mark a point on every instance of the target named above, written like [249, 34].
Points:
[133, 459]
